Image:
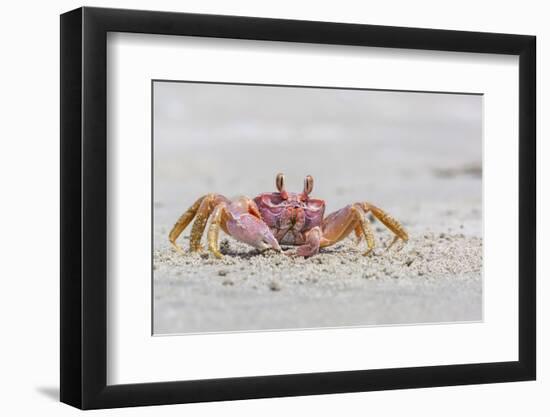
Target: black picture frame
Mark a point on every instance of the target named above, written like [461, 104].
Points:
[84, 207]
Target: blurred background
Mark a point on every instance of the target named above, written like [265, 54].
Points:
[417, 155]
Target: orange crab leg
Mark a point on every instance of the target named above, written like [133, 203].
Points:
[200, 210]
[391, 223]
[183, 222]
[358, 234]
[219, 217]
[341, 223]
[364, 224]
[388, 221]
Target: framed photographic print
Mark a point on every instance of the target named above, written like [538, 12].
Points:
[257, 207]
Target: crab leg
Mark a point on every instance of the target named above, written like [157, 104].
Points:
[364, 225]
[182, 223]
[341, 223]
[388, 221]
[392, 224]
[200, 223]
[214, 229]
[358, 234]
[200, 210]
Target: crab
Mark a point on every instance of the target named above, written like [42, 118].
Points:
[281, 218]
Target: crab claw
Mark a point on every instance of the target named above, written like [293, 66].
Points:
[269, 240]
[249, 229]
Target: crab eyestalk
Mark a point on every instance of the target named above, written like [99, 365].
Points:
[280, 183]
[308, 186]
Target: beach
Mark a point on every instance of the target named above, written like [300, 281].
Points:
[425, 170]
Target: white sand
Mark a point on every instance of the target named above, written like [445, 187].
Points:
[432, 279]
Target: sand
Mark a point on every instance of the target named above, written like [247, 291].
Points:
[434, 278]
[416, 156]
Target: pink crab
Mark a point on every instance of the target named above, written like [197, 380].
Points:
[281, 218]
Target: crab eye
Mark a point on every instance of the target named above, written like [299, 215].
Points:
[308, 185]
[280, 182]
